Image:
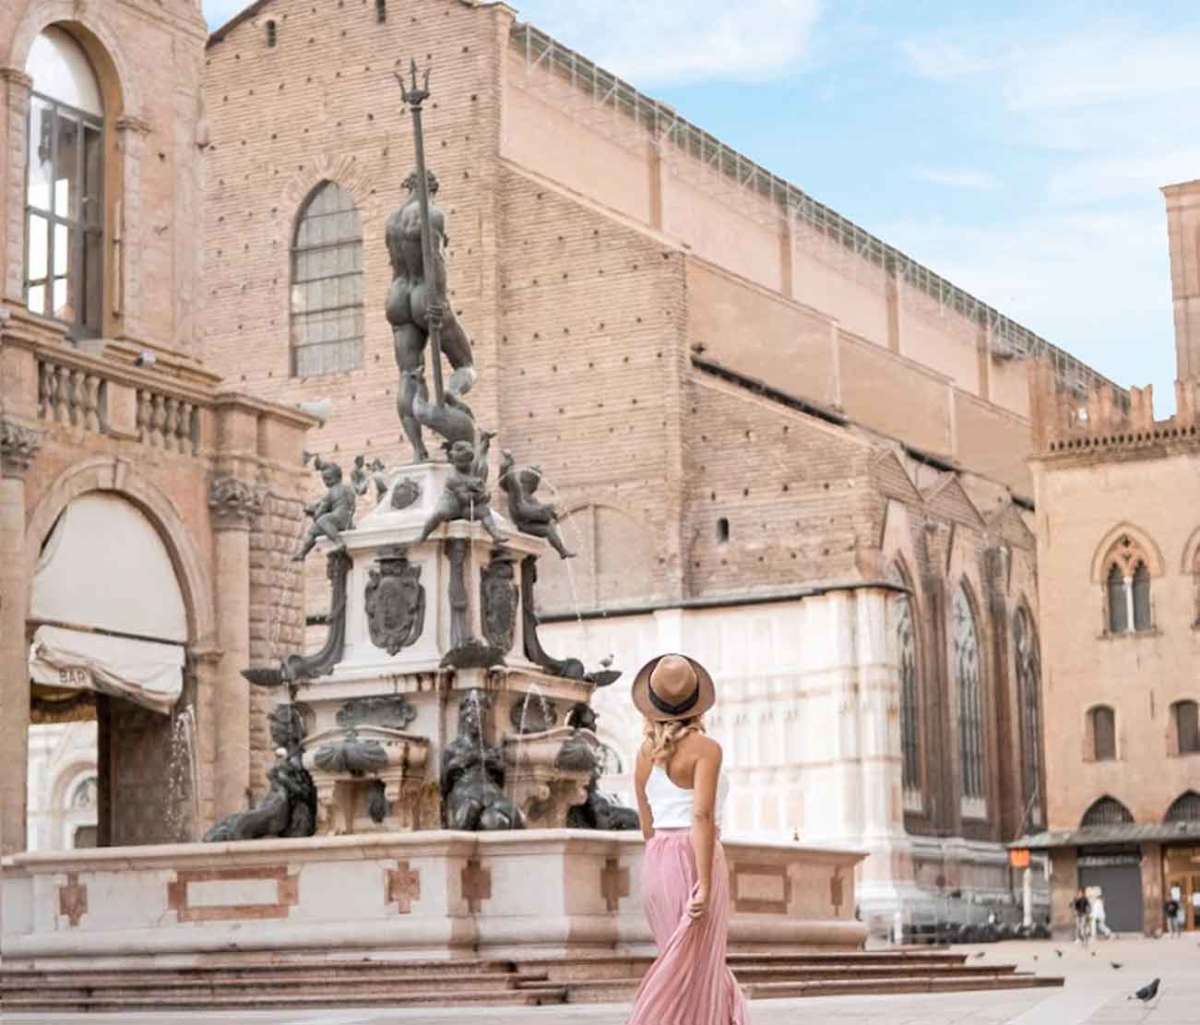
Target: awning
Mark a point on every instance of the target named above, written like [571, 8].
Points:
[145, 672]
[1187, 831]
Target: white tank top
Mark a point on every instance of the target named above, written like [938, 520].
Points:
[671, 805]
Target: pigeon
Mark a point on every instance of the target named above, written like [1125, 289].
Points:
[1147, 993]
[1035, 957]
[982, 953]
[1093, 953]
[1058, 952]
[1116, 964]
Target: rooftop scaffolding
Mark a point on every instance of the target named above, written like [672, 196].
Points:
[1008, 339]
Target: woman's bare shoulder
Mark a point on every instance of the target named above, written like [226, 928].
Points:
[700, 745]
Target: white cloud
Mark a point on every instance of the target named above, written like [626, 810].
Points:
[956, 178]
[655, 43]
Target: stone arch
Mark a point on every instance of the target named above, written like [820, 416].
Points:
[1124, 539]
[345, 172]
[68, 778]
[119, 477]
[103, 47]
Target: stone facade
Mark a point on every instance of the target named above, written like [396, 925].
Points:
[127, 411]
[763, 423]
[1118, 544]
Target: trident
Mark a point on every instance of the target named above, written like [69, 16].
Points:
[414, 97]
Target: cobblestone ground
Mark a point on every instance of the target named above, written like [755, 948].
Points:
[1096, 993]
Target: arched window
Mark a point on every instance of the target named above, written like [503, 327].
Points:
[1141, 597]
[1107, 811]
[1118, 608]
[327, 284]
[1102, 733]
[64, 197]
[1025, 647]
[84, 794]
[970, 695]
[1185, 723]
[910, 710]
[1185, 808]
[1127, 587]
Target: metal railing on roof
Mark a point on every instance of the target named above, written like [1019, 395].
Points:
[1008, 338]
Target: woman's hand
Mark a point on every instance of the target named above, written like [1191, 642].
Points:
[698, 905]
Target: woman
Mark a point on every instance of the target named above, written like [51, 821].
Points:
[685, 881]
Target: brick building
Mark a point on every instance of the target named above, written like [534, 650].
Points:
[141, 505]
[780, 443]
[1119, 566]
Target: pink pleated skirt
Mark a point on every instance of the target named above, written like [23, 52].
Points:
[690, 983]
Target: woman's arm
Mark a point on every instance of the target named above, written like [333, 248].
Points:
[704, 823]
[640, 775]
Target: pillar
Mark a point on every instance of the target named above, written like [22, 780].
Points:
[15, 87]
[234, 505]
[18, 446]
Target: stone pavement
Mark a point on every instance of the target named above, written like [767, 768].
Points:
[1095, 994]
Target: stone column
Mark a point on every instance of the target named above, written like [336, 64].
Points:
[234, 505]
[18, 445]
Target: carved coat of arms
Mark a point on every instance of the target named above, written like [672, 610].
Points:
[395, 602]
[498, 603]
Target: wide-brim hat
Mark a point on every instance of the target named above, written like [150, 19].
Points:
[682, 689]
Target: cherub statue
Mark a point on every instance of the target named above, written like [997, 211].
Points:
[533, 517]
[364, 474]
[472, 777]
[466, 495]
[331, 514]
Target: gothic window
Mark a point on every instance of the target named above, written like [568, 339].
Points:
[1185, 722]
[327, 284]
[1025, 646]
[910, 711]
[1141, 597]
[1185, 808]
[1118, 612]
[970, 694]
[1107, 811]
[64, 192]
[1102, 733]
[1127, 587]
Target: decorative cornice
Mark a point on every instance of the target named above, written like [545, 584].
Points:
[133, 123]
[18, 445]
[16, 76]
[235, 504]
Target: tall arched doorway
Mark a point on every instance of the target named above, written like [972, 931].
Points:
[108, 630]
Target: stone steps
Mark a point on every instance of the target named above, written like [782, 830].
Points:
[587, 979]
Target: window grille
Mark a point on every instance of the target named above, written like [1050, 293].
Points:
[327, 285]
[1107, 811]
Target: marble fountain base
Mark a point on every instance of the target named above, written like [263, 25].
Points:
[434, 895]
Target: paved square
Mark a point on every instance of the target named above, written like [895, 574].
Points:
[1095, 993]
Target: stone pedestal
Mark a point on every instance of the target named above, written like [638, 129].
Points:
[426, 623]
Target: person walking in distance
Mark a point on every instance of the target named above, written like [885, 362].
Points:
[1083, 912]
[1099, 919]
[685, 880]
[1171, 910]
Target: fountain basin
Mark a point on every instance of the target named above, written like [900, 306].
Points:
[435, 894]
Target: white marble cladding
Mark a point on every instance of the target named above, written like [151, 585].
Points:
[808, 714]
[399, 895]
[385, 528]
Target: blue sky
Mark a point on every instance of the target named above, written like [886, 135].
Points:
[1015, 148]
